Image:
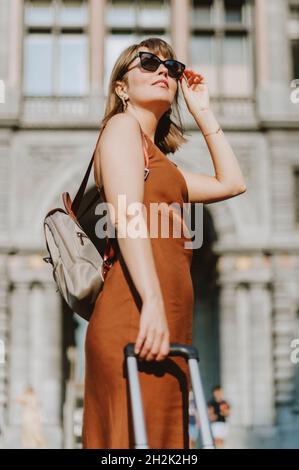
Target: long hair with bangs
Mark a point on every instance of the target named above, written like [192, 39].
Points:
[169, 133]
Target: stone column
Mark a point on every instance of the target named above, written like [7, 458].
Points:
[37, 328]
[3, 339]
[180, 28]
[262, 386]
[246, 340]
[243, 380]
[229, 348]
[15, 42]
[284, 325]
[272, 42]
[296, 365]
[51, 345]
[277, 40]
[18, 349]
[261, 32]
[97, 43]
[11, 30]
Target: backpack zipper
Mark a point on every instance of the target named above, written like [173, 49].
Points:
[81, 235]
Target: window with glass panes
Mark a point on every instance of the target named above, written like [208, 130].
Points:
[129, 22]
[220, 45]
[56, 48]
[293, 29]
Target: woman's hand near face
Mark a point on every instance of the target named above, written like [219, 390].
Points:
[195, 91]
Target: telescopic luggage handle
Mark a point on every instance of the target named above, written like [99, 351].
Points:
[175, 349]
[190, 353]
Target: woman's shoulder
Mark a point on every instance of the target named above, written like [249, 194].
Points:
[118, 125]
[122, 122]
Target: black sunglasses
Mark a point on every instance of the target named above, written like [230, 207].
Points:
[151, 62]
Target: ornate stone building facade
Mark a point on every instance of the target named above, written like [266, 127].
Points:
[55, 60]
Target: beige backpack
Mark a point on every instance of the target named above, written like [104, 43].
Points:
[78, 268]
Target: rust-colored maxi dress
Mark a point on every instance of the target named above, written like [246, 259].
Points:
[115, 322]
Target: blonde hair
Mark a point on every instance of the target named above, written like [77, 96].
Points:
[169, 134]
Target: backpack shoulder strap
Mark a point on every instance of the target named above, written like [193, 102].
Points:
[74, 206]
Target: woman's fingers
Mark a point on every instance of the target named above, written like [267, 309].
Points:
[140, 339]
[155, 348]
[152, 332]
[164, 349]
[147, 344]
[193, 77]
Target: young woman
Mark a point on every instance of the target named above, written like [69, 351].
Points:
[147, 296]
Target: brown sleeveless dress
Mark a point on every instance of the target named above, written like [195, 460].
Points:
[115, 321]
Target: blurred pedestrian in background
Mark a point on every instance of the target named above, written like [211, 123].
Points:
[219, 410]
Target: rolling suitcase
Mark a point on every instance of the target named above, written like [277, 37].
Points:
[190, 353]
